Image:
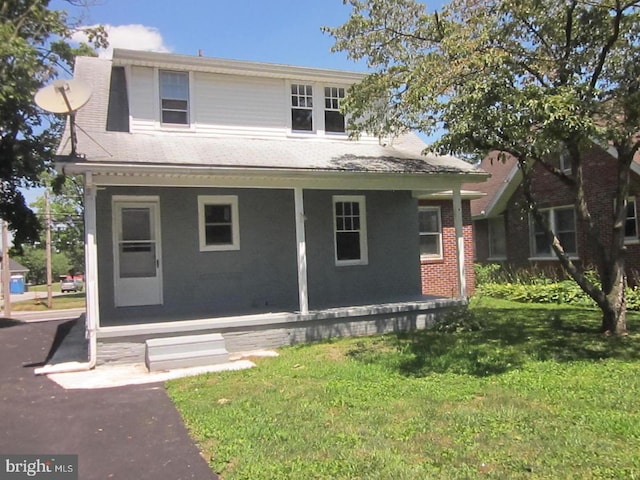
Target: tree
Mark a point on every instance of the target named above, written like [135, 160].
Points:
[34, 49]
[525, 78]
[66, 211]
[35, 259]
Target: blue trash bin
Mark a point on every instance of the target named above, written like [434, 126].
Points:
[16, 286]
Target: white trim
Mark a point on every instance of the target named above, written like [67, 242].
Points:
[119, 174]
[92, 322]
[204, 200]
[362, 215]
[504, 193]
[631, 239]
[439, 256]
[303, 287]
[153, 202]
[218, 65]
[458, 223]
[552, 220]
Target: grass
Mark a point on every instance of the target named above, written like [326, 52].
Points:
[60, 302]
[534, 394]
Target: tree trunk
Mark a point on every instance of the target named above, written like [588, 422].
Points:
[614, 309]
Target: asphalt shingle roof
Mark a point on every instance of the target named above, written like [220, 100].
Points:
[95, 144]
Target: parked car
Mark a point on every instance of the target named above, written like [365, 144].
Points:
[71, 285]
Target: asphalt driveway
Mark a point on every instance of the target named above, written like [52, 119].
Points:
[118, 433]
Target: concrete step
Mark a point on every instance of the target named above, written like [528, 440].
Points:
[185, 351]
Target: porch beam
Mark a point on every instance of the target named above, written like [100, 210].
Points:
[458, 224]
[303, 288]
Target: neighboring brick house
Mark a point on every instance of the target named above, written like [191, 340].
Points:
[505, 232]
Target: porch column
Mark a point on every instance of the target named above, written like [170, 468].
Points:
[303, 290]
[91, 255]
[457, 221]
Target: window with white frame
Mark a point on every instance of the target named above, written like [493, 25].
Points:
[218, 223]
[565, 162]
[301, 107]
[562, 221]
[430, 225]
[350, 230]
[631, 220]
[497, 238]
[333, 118]
[174, 97]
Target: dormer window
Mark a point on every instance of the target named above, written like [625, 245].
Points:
[174, 97]
[301, 108]
[333, 118]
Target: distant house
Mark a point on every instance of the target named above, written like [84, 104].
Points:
[224, 196]
[505, 232]
[15, 268]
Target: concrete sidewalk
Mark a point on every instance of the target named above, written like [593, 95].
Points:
[117, 433]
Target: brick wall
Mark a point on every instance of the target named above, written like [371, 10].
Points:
[440, 277]
[600, 178]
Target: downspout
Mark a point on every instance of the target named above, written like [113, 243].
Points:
[91, 284]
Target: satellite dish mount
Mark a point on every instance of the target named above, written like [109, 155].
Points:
[65, 96]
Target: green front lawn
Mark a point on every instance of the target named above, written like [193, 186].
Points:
[535, 394]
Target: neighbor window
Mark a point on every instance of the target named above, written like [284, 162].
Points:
[350, 224]
[174, 97]
[563, 224]
[333, 118]
[430, 232]
[631, 220]
[497, 238]
[565, 162]
[301, 107]
[218, 222]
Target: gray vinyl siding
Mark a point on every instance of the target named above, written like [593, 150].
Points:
[393, 270]
[262, 275]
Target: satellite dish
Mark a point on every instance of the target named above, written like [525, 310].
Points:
[63, 96]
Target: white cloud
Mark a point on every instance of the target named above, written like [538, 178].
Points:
[132, 37]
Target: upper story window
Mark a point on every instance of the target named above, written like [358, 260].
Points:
[350, 224]
[565, 162]
[218, 224]
[174, 97]
[333, 118]
[631, 220]
[497, 238]
[430, 225]
[301, 107]
[563, 223]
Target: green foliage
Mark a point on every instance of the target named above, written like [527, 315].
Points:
[520, 398]
[33, 50]
[66, 210]
[518, 77]
[35, 260]
[458, 320]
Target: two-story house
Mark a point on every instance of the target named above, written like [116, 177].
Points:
[224, 196]
[505, 232]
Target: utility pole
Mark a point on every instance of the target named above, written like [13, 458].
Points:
[47, 219]
[6, 270]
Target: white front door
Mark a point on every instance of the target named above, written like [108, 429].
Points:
[137, 259]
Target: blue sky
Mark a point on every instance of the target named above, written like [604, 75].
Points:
[278, 31]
